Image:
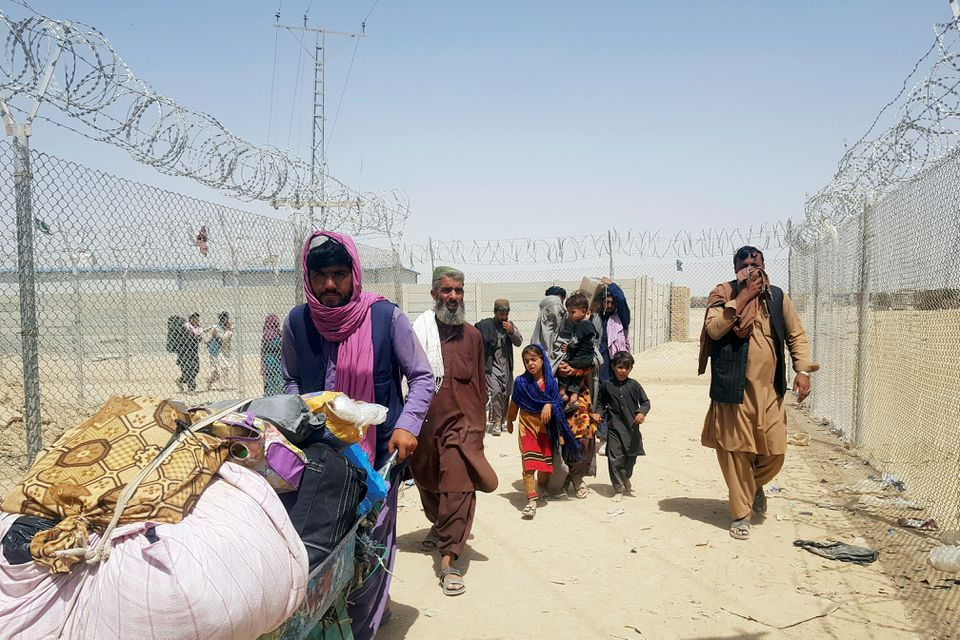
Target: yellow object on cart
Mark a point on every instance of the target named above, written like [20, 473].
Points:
[325, 402]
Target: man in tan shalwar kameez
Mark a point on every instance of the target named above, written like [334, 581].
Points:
[449, 464]
[747, 321]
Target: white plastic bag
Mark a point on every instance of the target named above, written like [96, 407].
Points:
[358, 412]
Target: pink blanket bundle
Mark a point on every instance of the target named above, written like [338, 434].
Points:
[234, 568]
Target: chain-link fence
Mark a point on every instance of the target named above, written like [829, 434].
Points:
[115, 261]
[880, 296]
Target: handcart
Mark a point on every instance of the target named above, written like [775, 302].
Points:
[328, 585]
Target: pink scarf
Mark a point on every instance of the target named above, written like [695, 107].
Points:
[349, 326]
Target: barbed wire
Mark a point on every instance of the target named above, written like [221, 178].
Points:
[925, 131]
[707, 243]
[92, 84]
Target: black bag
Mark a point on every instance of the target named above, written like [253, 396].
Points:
[16, 542]
[324, 509]
[290, 415]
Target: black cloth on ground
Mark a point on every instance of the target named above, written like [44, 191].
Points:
[839, 551]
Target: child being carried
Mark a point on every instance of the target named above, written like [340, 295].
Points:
[579, 350]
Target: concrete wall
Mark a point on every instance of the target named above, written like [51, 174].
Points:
[649, 304]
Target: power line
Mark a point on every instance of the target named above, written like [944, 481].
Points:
[370, 13]
[363, 95]
[336, 115]
[273, 78]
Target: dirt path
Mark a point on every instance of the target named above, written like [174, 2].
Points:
[664, 566]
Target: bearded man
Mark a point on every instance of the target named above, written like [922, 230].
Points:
[449, 465]
[500, 336]
[747, 325]
[354, 341]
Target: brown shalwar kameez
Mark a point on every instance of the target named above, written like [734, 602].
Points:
[751, 438]
[448, 464]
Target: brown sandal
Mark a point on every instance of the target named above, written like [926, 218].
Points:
[740, 529]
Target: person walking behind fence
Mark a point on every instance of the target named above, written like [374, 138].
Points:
[354, 341]
[220, 348]
[449, 465]
[500, 336]
[547, 328]
[186, 341]
[543, 428]
[747, 324]
[623, 405]
[270, 347]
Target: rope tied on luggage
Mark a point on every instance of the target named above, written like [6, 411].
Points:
[100, 550]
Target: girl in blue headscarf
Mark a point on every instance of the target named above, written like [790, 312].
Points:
[537, 402]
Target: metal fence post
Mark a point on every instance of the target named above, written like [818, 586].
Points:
[478, 304]
[237, 312]
[29, 331]
[299, 238]
[610, 251]
[863, 326]
[126, 325]
[790, 270]
[814, 347]
[78, 330]
[237, 332]
[397, 269]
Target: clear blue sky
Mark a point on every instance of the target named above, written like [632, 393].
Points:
[505, 118]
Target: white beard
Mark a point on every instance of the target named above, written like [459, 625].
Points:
[445, 316]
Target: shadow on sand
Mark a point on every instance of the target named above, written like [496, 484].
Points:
[706, 510]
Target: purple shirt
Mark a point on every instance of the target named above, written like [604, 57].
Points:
[407, 354]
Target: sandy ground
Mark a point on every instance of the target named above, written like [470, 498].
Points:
[663, 567]
[661, 564]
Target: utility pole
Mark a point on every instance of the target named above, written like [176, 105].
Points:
[318, 152]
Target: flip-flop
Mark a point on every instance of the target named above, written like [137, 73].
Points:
[759, 501]
[452, 582]
[740, 529]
